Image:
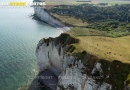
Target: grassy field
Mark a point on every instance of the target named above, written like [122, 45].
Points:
[71, 20]
[78, 31]
[73, 2]
[103, 47]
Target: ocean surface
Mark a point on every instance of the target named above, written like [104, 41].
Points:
[19, 36]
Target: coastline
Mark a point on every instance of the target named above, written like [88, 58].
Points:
[45, 17]
[35, 85]
[97, 66]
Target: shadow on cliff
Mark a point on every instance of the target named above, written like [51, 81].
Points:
[45, 80]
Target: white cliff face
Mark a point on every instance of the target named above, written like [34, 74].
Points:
[44, 16]
[52, 56]
[71, 77]
[92, 85]
[97, 68]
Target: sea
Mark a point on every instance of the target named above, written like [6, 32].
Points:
[19, 36]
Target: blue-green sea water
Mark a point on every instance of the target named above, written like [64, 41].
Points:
[19, 36]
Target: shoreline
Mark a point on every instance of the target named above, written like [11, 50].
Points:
[56, 23]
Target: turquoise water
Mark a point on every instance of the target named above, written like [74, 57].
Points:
[19, 36]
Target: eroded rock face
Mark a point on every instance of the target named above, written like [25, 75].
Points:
[72, 79]
[66, 72]
[50, 55]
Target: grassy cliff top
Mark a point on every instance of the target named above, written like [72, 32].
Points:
[112, 53]
[107, 48]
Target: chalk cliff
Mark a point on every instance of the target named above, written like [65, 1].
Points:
[68, 72]
[41, 13]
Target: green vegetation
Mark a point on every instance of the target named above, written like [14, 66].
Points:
[92, 13]
[113, 20]
[78, 31]
[112, 28]
[117, 72]
[128, 80]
